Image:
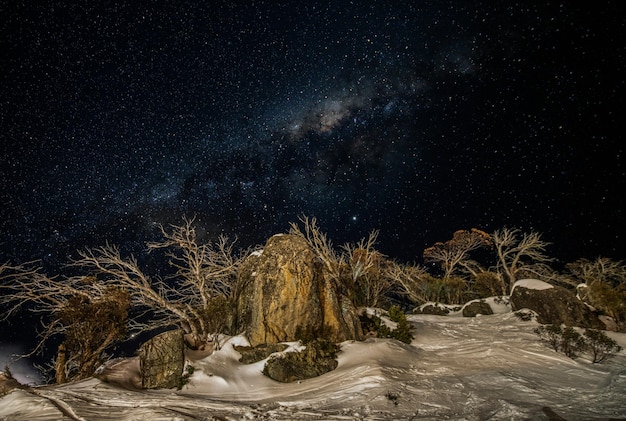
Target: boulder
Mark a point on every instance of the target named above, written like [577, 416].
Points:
[250, 355]
[162, 360]
[285, 291]
[554, 305]
[474, 308]
[316, 359]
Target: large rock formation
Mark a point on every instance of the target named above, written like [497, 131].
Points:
[553, 305]
[162, 360]
[286, 293]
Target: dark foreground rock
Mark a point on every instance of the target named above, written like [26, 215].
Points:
[162, 360]
[555, 305]
[318, 358]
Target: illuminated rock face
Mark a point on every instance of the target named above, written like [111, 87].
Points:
[286, 291]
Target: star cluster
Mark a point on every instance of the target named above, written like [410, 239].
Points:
[415, 119]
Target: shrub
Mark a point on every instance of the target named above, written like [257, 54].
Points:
[396, 314]
[393, 397]
[567, 340]
[375, 324]
[551, 334]
[600, 346]
[572, 342]
[488, 284]
[184, 379]
[403, 331]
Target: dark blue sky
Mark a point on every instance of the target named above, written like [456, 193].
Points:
[415, 118]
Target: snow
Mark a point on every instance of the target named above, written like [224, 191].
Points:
[499, 305]
[532, 284]
[489, 367]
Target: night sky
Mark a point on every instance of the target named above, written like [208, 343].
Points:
[417, 118]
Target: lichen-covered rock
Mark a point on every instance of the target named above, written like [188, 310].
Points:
[316, 359]
[285, 290]
[250, 355]
[474, 308]
[555, 305]
[161, 361]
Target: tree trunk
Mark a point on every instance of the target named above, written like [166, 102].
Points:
[59, 365]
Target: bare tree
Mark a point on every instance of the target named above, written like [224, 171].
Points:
[454, 254]
[362, 257]
[366, 271]
[89, 316]
[520, 255]
[203, 273]
[358, 270]
[604, 285]
[322, 247]
[601, 269]
[409, 281]
[204, 280]
[204, 270]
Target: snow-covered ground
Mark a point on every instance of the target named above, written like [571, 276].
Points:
[483, 368]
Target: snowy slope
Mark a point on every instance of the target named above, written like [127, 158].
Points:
[483, 368]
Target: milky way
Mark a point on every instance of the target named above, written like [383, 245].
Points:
[417, 120]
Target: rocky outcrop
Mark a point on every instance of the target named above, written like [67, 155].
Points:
[161, 361]
[250, 355]
[316, 359]
[286, 292]
[555, 305]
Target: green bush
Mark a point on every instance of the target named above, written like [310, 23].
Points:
[184, 379]
[572, 343]
[374, 324]
[568, 341]
[403, 331]
[600, 346]
[551, 334]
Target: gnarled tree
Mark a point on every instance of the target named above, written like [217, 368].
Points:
[520, 255]
[454, 255]
[366, 271]
[333, 262]
[110, 284]
[88, 316]
[604, 282]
